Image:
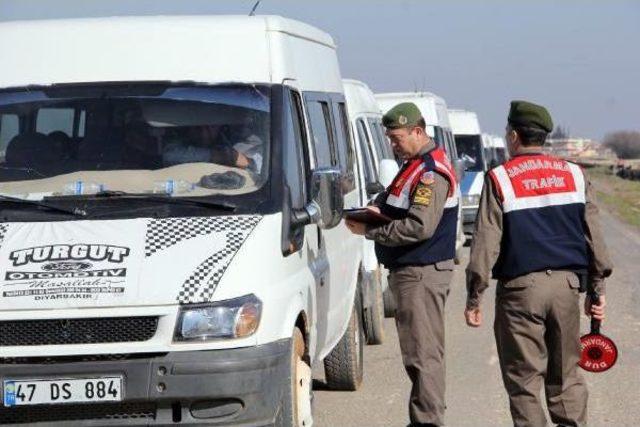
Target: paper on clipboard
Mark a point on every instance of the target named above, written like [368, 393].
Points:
[366, 216]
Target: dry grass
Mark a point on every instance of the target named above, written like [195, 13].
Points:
[619, 196]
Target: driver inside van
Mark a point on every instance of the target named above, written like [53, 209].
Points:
[210, 143]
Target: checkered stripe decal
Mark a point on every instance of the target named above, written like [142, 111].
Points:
[197, 288]
[166, 232]
[3, 231]
[200, 285]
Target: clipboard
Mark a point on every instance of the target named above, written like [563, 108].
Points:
[366, 216]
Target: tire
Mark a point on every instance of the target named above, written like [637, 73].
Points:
[374, 315]
[295, 410]
[389, 303]
[343, 367]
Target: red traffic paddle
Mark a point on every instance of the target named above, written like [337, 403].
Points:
[599, 352]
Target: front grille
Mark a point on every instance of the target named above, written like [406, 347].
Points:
[53, 360]
[77, 331]
[75, 412]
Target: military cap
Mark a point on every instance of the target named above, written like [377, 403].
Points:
[523, 113]
[402, 115]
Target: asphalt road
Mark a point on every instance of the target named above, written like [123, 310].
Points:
[475, 395]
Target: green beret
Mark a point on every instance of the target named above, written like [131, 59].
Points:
[406, 114]
[523, 113]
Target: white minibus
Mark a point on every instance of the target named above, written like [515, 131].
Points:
[171, 242]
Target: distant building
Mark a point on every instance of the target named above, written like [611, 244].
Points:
[578, 148]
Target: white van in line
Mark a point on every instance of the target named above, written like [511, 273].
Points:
[172, 251]
[500, 154]
[378, 167]
[487, 146]
[434, 110]
[469, 143]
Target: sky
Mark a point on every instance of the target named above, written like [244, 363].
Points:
[579, 58]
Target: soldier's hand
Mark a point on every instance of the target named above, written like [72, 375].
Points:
[373, 208]
[595, 309]
[356, 227]
[473, 316]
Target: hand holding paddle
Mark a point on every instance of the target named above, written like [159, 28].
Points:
[594, 306]
[599, 353]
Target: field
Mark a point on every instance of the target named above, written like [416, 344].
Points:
[620, 196]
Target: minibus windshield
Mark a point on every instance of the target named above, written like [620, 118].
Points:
[469, 149]
[175, 140]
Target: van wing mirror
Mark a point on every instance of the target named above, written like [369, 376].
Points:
[388, 171]
[327, 200]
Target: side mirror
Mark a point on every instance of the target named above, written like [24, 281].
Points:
[327, 201]
[459, 165]
[374, 188]
[388, 170]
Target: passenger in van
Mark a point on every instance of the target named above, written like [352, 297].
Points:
[62, 143]
[34, 154]
[418, 247]
[207, 143]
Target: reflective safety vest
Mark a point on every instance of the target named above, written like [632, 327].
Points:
[543, 203]
[442, 245]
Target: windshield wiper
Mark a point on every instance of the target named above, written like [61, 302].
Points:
[165, 199]
[75, 211]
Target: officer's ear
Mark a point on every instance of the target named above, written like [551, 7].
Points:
[511, 135]
[419, 131]
[513, 140]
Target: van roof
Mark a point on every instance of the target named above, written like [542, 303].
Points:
[487, 140]
[464, 122]
[360, 99]
[206, 49]
[498, 141]
[432, 106]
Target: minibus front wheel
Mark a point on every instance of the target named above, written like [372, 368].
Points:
[296, 408]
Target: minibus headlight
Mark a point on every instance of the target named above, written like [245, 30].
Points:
[471, 200]
[234, 318]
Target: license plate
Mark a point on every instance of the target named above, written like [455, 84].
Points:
[65, 390]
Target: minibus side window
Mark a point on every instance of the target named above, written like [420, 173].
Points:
[69, 121]
[440, 138]
[80, 119]
[9, 128]
[367, 155]
[294, 168]
[453, 152]
[345, 147]
[55, 119]
[345, 144]
[319, 118]
[385, 141]
[378, 140]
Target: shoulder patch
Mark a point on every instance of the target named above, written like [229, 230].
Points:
[422, 195]
[428, 178]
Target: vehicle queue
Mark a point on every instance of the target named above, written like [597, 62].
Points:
[182, 227]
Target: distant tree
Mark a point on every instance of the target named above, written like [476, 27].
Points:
[626, 144]
[560, 133]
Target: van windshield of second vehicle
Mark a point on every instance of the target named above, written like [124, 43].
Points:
[470, 150]
[81, 141]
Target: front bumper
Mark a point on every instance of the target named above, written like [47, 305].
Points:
[235, 387]
[469, 218]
